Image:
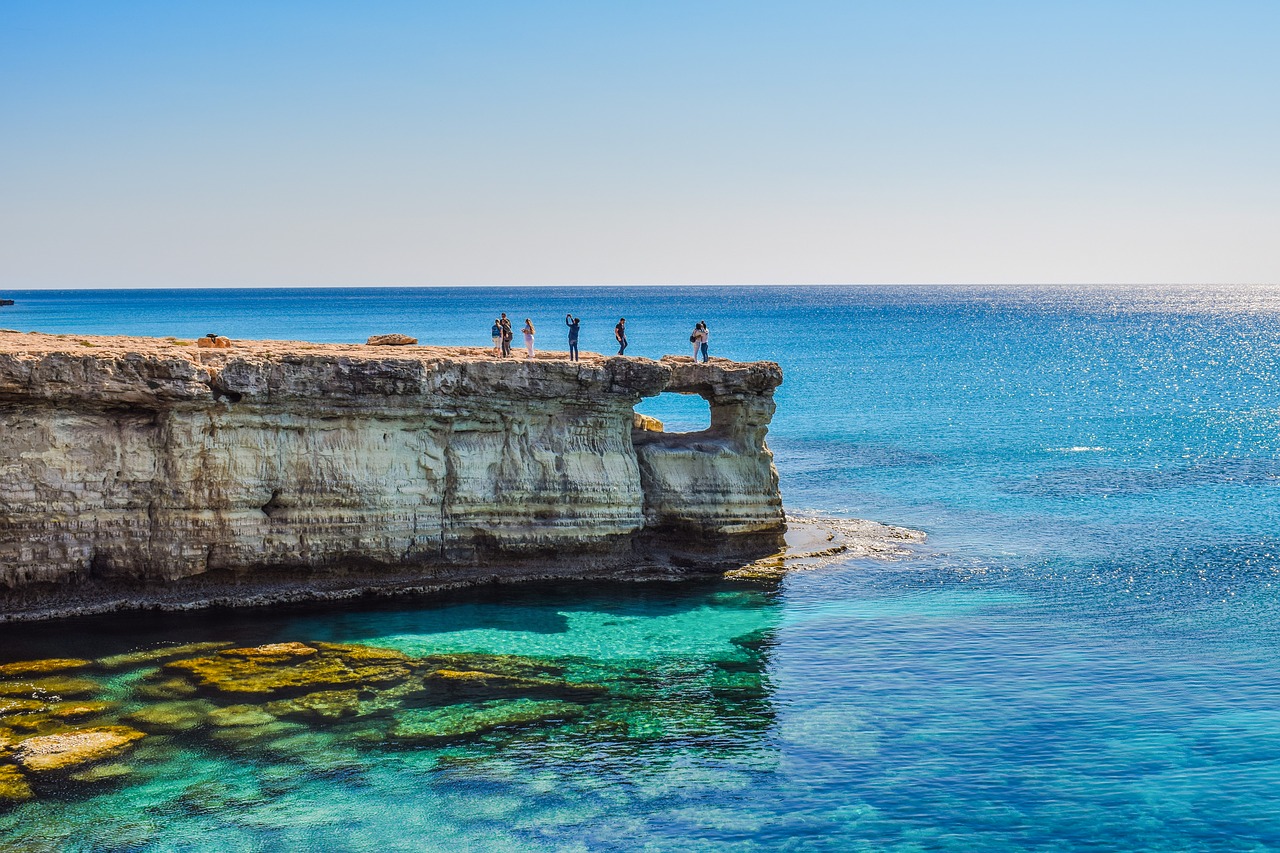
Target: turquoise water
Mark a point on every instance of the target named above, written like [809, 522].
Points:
[1083, 656]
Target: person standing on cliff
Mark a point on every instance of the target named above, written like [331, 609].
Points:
[696, 339]
[572, 322]
[705, 336]
[496, 331]
[620, 332]
[507, 335]
[528, 337]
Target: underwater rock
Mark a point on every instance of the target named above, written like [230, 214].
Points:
[755, 641]
[25, 725]
[13, 785]
[738, 685]
[100, 773]
[514, 665]
[133, 660]
[10, 706]
[272, 652]
[291, 669]
[74, 749]
[52, 686]
[170, 717]
[472, 719]
[41, 667]
[476, 684]
[321, 705]
[169, 688]
[234, 716]
[253, 738]
[79, 710]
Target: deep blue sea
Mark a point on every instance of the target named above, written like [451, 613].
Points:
[1084, 655]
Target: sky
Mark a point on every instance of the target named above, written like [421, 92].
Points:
[379, 143]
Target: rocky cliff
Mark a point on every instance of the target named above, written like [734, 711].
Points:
[164, 469]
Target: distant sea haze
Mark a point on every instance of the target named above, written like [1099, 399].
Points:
[1083, 655]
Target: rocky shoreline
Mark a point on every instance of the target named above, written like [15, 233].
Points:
[810, 542]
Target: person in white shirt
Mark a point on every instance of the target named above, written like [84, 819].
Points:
[528, 337]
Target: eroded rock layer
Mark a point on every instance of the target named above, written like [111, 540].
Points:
[143, 461]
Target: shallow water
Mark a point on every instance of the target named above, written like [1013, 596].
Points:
[1083, 656]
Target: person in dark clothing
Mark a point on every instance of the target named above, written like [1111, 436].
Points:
[572, 322]
[507, 335]
[620, 332]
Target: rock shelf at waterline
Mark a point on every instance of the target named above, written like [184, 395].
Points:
[151, 473]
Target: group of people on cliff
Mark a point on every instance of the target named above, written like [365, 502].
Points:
[503, 335]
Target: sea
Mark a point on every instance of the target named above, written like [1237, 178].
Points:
[1083, 655]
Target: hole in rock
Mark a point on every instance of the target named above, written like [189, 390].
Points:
[272, 506]
[678, 412]
[220, 393]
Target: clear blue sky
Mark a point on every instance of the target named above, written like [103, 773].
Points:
[175, 143]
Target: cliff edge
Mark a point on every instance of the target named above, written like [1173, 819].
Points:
[173, 476]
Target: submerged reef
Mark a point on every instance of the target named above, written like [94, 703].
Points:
[152, 473]
[328, 705]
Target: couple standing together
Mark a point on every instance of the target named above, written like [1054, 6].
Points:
[701, 334]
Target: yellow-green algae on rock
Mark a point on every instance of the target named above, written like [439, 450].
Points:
[133, 660]
[472, 719]
[477, 683]
[285, 669]
[170, 717]
[14, 787]
[239, 716]
[12, 705]
[74, 749]
[79, 709]
[56, 685]
[42, 667]
[313, 703]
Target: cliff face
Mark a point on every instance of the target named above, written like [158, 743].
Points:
[126, 460]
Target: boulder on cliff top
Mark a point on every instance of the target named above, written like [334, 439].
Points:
[391, 341]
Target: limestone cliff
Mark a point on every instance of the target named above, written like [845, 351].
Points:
[144, 462]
